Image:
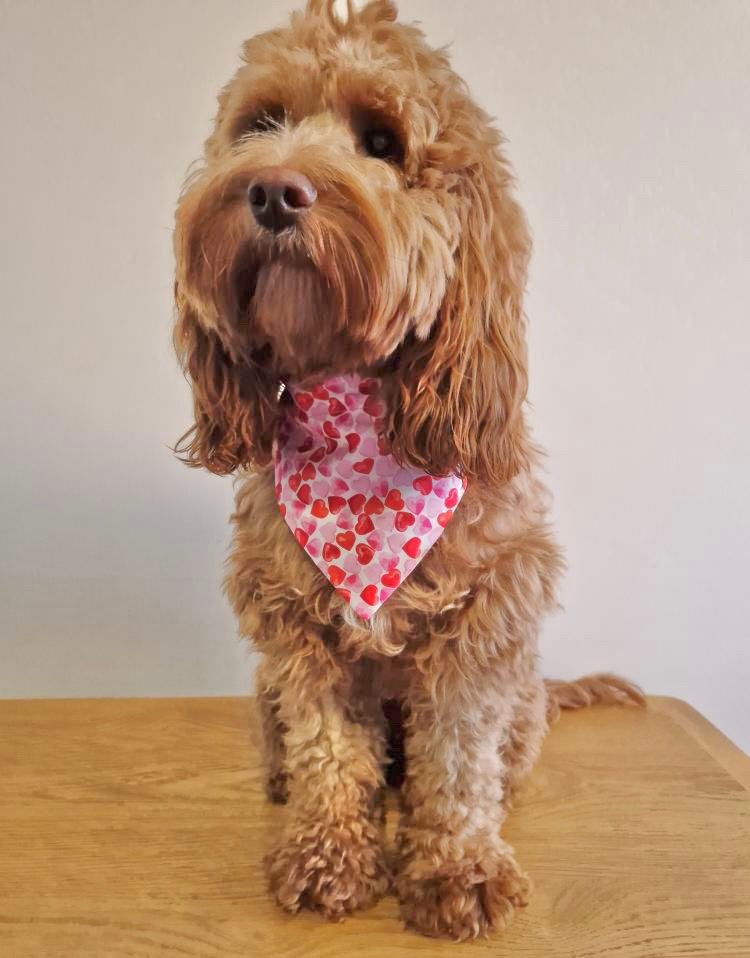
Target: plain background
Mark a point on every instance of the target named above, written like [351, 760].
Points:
[629, 126]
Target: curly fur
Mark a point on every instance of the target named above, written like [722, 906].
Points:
[415, 271]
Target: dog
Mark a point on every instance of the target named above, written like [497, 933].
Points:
[350, 270]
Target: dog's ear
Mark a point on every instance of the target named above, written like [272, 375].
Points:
[462, 388]
[235, 399]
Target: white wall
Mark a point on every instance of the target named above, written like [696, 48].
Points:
[629, 126]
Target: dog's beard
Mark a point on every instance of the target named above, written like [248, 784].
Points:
[295, 309]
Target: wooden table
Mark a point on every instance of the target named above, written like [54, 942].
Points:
[136, 828]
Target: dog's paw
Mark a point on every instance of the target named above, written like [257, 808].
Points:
[328, 870]
[462, 903]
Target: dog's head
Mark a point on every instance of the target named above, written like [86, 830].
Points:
[353, 213]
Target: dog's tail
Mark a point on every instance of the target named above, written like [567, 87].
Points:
[602, 689]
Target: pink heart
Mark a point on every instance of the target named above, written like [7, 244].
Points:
[385, 466]
[380, 488]
[375, 542]
[369, 447]
[388, 563]
[313, 547]
[328, 531]
[352, 400]
[324, 468]
[362, 421]
[395, 542]
[441, 488]
[352, 580]
[308, 526]
[344, 468]
[361, 485]
[338, 487]
[403, 479]
[423, 525]
[319, 488]
[344, 521]
[433, 507]
[344, 421]
[415, 504]
[351, 563]
[298, 507]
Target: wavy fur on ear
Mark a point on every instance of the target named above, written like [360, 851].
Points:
[462, 388]
[234, 400]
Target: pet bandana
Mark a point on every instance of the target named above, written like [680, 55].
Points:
[364, 520]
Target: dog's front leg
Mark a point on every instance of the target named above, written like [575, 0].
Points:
[330, 857]
[457, 877]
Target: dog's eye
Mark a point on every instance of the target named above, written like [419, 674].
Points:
[382, 143]
[263, 121]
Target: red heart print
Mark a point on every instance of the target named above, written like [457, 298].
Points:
[364, 525]
[345, 594]
[336, 575]
[330, 430]
[356, 503]
[318, 454]
[331, 445]
[372, 406]
[423, 484]
[445, 517]
[307, 445]
[364, 466]
[294, 480]
[374, 506]
[353, 440]
[320, 392]
[301, 536]
[304, 494]
[364, 554]
[370, 594]
[451, 500]
[336, 504]
[330, 551]
[394, 500]
[412, 547]
[345, 539]
[368, 386]
[319, 509]
[335, 407]
[277, 490]
[304, 400]
[308, 472]
[403, 521]
[282, 510]
[391, 579]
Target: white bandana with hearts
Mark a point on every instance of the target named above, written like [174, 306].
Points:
[364, 520]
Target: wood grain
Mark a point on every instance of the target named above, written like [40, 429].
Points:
[136, 828]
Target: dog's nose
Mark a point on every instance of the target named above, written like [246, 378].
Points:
[278, 197]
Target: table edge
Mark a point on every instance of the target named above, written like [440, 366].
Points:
[729, 755]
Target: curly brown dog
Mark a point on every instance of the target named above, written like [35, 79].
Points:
[354, 215]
